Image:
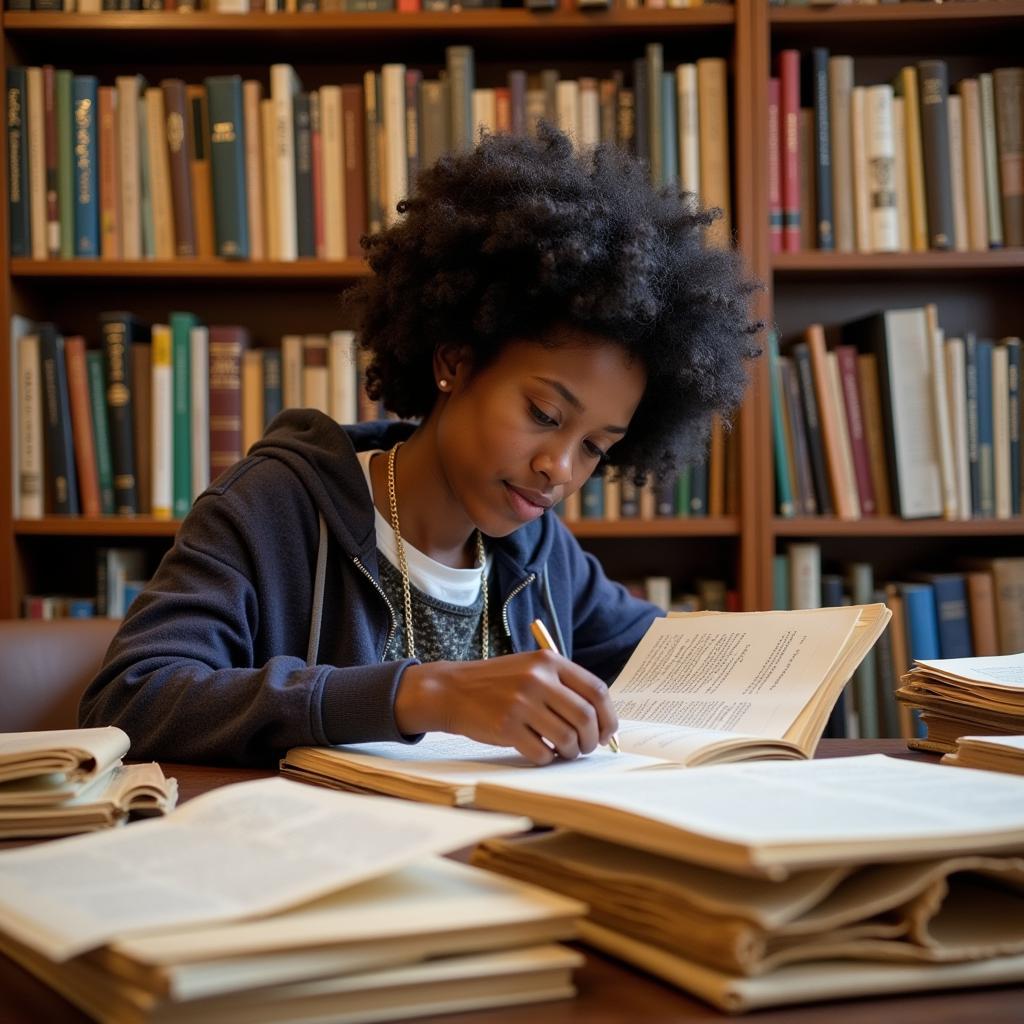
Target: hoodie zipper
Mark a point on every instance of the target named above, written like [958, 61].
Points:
[517, 589]
[380, 590]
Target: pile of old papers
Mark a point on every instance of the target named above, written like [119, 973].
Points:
[270, 901]
[59, 782]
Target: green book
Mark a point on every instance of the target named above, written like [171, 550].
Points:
[783, 490]
[100, 430]
[683, 491]
[65, 167]
[181, 363]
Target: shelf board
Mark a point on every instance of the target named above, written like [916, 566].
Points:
[890, 526]
[337, 24]
[815, 264]
[898, 13]
[194, 269]
[719, 526]
[96, 526]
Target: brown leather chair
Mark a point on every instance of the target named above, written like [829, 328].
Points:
[45, 667]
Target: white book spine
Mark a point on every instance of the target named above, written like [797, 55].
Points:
[485, 112]
[958, 187]
[252, 93]
[804, 576]
[900, 173]
[956, 392]
[37, 161]
[284, 85]
[269, 158]
[845, 448]
[880, 157]
[344, 376]
[291, 371]
[941, 422]
[861, 188]
[199, 364]
[332, 147]
[1001, 430]
[396, 173]
[159, 175]
[130, 198]
[568, 96]
[688, 128]
[162, 411]
[231, 6]
[590, 114]
[30, 429]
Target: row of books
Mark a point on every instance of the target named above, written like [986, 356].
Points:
[133, 171]
[974, 611]
[347, 6]
[886, 415]
[142, 424]
[903, 167]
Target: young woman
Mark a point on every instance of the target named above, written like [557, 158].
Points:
[533, 316]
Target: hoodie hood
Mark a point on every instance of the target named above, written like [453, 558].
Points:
[322, 455]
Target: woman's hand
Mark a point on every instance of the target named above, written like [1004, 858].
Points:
[520, 700]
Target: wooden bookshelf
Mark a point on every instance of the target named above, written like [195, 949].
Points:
[833, 286]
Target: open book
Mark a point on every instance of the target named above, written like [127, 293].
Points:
[957, 696]
[700, 688]
[55, 783]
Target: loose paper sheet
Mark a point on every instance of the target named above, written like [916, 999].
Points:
[1003, 672]
[246, 849]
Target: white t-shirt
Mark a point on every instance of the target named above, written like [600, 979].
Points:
[455, 586]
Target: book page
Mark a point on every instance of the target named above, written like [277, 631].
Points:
[676, 743]
[746, 672]
[1011, 744]
[1004, 672]
[246, 849]
[80, 753]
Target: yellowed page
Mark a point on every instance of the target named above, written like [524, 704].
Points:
[247, 849]
[79, 754]
[1005, 672]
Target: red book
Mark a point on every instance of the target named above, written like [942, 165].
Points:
[774, 168]
[354, 135]
[846, 356]
[409, 6]
[225, 352]
[316, 147]
[81, 425]
[503, 103]
[110, 220]
[789, 145]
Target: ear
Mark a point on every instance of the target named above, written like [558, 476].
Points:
[452, 365]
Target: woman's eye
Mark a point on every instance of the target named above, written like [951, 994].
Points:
[542, 417]
[594, 451]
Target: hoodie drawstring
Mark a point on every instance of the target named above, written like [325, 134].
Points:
[318, 596]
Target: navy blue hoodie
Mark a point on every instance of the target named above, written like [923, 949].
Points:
[212, 662]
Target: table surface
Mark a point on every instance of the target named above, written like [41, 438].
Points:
[609, 992]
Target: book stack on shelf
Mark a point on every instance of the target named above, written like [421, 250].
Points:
[910, 166]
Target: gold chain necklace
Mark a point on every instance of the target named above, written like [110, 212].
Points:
[410, 643]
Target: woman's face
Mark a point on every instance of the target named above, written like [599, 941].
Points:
[519, 435]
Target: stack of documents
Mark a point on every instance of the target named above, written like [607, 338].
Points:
[763, 885]
[270, 901]
[60, 782]
[994, 753]
[958, 696]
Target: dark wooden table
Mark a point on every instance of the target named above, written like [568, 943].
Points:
[609, 992]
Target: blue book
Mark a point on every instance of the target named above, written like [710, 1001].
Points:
[699, 489]
[181, 389]
[922, 630]
[81, 608]
[822, 150]
[592, 498]
[271, 384]
[971, 401]
[780, 582]
[227, 166]
[1013, 377]
[84, 98]
[61, 482]
[986, 452]
[952, 617]
[832, 597]
[17, 163]
[669, 130]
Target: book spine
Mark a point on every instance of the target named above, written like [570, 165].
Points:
[973, 156]
[129, 164]
[395, 172]
[713, 114]
[668, 134]
[117, 339]
[269, 162]
[783, 491]
[874, 430]
[907, 88]
[145, 180]
[354, 150]
[933, 82]
[272, 403]
[815, 441]
[227, 164]
[699, 489]
[180, 160]
[922, 621]
[303, 146]
[941, 425]
[202, 182]
[162, 431]
[316, 154]
[592, 497]
[36, 119]
[952, 617]
[807, 502]
[889, 722]
[252, 397]
[158, 161]
[1001, 431]
[226, 346]
[81, 425]
[371, 131]
[861, 188]
[840, 88]
[1009, 109]
[990, 152]
[101, 434]
[87, 219]
[461, 83]
[971, 378]
[62, 483]
[982, 606]
[181, 325]
[654, 62]
[774, 167]
[52, 148]
[255, 186]
[199, 365]
[1013, 368]
[823, 150]
[315, 374]
[65, 165]
[880, 151]
[865, 680]
[957, 184]
[847, 359]
[789, 114]
[283, 86]
[110, 234]
[331, 127]
[900, 172]
[17, 163]
[31, 453]
[986, 463]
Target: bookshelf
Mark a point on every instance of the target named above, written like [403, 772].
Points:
[56, 553]
[980, 289]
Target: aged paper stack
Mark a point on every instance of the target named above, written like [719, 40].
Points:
[59, 782]
[269, 901]
[761, 885]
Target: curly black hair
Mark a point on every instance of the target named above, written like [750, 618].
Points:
[522, 234]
